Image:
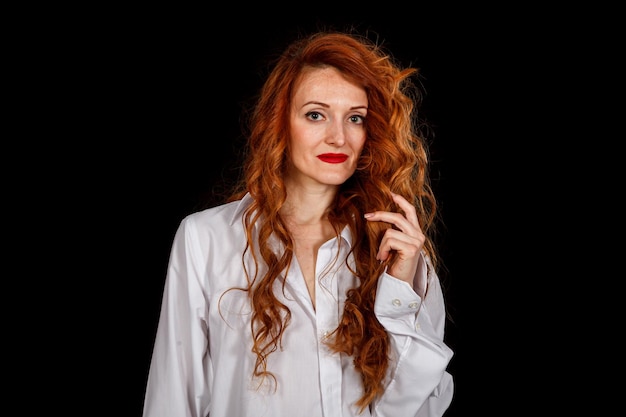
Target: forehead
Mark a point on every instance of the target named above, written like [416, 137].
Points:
[325, 80]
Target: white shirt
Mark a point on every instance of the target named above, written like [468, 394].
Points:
[202, 364]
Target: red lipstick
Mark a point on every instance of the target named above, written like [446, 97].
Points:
[333, 158]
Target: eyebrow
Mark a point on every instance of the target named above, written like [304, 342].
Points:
[319, 103]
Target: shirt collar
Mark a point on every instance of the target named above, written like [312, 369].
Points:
[242, 204]
[347, 235]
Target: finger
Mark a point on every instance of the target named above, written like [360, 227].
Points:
[407, 207]
[396, 219]
[406, 246]
[408, 222]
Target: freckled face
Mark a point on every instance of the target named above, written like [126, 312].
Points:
[327, 128]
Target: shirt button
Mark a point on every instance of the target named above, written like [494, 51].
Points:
[414, 304]
[396, 302]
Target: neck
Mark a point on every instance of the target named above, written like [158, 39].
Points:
[306, 206]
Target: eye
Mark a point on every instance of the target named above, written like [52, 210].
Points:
[357, 118]
[313, 115]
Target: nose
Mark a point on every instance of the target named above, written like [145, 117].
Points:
[336, 134]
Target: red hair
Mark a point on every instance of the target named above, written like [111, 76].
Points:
[394, 159]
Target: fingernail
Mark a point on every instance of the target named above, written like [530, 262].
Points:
[368, 215]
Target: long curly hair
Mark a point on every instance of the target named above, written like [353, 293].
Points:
[394, 159]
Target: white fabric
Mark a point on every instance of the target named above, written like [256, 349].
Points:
[202, 363]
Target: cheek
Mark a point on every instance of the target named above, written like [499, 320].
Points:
[300, 136]
[295, 149]
[359, 144]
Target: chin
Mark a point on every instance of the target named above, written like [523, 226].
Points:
[333, 180]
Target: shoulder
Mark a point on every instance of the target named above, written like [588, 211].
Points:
[221, 212]
[220, 216]
[224, 218]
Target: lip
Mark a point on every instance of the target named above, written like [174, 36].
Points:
[333, 158]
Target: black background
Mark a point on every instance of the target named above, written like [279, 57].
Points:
[185, 83]
[122, 119]
[166, 91]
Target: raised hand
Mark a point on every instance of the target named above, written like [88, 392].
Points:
[406, 239]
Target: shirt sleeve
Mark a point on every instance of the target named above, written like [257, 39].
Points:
[180, 370]
[419, 384]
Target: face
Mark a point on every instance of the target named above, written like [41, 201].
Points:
[327, 128]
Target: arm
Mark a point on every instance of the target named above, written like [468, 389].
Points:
[179, 377]
[418, 384]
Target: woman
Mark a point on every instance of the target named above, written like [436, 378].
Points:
[313, 291]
